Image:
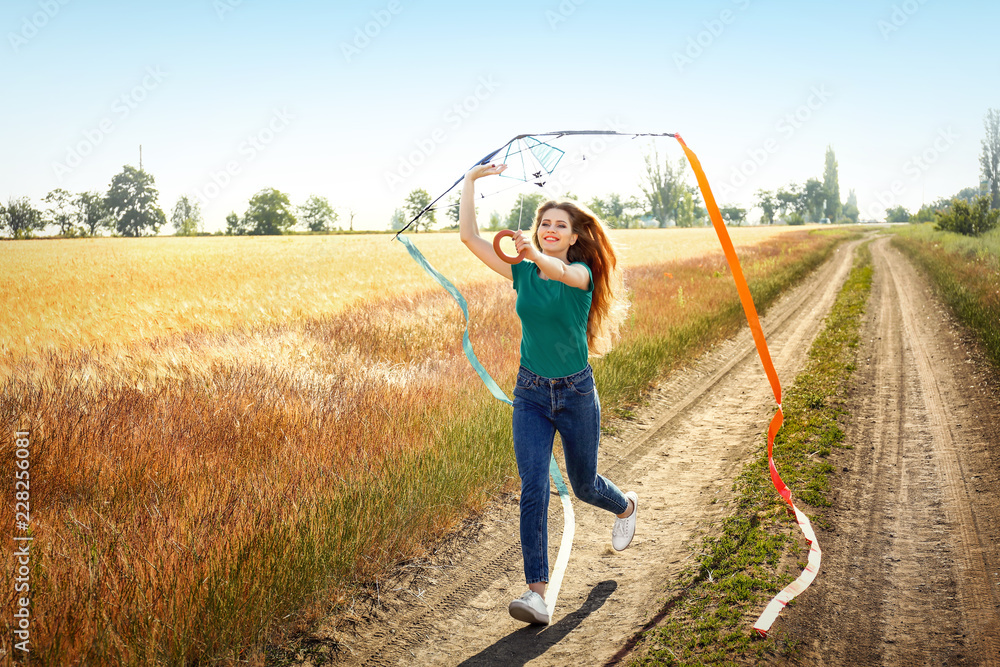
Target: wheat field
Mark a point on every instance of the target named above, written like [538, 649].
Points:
[81, 293]
[228, 433]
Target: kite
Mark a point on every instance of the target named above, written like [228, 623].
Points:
[534, 158]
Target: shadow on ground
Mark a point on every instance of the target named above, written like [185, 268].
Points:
[528, 643]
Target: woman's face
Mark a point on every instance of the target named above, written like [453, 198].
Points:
[555, 232]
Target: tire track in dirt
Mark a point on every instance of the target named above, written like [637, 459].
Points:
[680, 454]
[911, 575]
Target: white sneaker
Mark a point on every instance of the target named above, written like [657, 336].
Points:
[624, 529]
[530, 608]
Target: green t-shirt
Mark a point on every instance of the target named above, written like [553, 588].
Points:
[553, 321]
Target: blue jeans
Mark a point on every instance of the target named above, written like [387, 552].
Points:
[543, 406]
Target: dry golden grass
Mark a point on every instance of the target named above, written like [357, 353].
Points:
[189, 490]
[70, 294]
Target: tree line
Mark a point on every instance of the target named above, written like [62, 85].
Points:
[668, 200]
[130, 208]
[270, 211]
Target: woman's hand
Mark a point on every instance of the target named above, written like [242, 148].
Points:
[468, 228]
[481, 170]
[523, 242]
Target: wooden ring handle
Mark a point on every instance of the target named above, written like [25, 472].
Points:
[501, 254]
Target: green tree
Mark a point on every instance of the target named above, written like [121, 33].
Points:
[972, 219]
[398, 220]
[831, 186]
[522, 214]
[617, 212]
[897, 214]
[235, 225]
[416, 202]
[20, 218]
[91, 212]
[990, 158]
[453, 210]
[186, 217]
[685, 211]
[767, 204]
[496, 221]
[815, 200]
[791, 202]
[317, 214]
[733, 215]
[61, 212]
[925, 214]
[626, 212]
[968, 195]
[700, 212]
[663, 187]
[851, 210]
[269, 214]
[131, 200]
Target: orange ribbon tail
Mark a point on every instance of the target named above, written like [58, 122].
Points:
[779, 601]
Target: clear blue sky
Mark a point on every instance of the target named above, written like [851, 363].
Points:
[231, 96]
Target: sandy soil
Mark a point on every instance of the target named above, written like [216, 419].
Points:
[911, 569]
[680, 454]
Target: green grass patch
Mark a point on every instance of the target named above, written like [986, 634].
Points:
[754, 555]
[966, 271]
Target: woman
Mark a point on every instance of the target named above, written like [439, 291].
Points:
[569, 307]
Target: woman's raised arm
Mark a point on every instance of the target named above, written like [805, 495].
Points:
[469, 228]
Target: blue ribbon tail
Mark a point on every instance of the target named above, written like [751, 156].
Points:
[557, 478]
[466, 343]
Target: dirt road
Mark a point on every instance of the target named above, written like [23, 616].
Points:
[681, 455]
[911, 571]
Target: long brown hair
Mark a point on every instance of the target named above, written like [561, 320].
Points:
[608, 305]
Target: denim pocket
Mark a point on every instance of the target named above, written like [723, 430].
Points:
[584, 386]
[523, 382]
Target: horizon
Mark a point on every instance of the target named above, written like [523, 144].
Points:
[363, 104]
